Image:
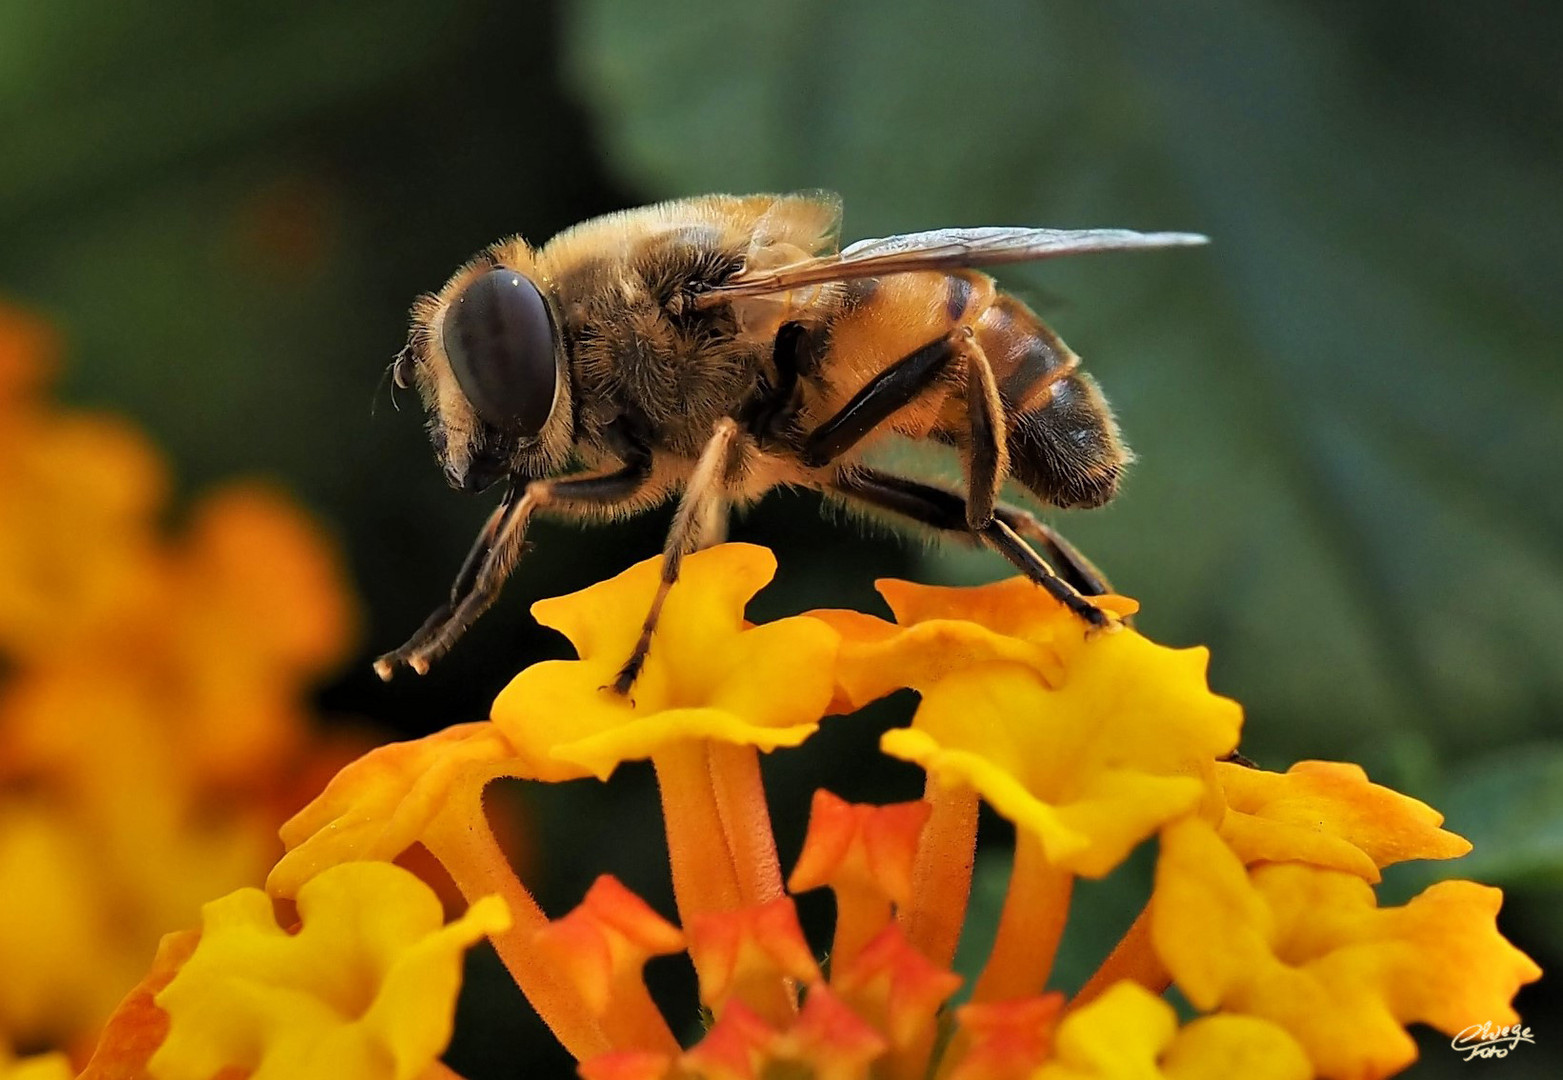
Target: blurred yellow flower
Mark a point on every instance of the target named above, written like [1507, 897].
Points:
[364, 990]
[152, 696]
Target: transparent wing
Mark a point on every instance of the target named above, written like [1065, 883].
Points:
[941, 249]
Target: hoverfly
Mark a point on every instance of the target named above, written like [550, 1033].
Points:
[721, 346]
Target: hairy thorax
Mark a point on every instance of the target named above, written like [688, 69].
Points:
[641, 352]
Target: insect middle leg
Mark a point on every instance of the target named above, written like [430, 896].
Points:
[987, 468]
[699, 507]
[900, 384]
[494, 555]
[945, 510]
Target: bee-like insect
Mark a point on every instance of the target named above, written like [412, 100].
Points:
[722, 346]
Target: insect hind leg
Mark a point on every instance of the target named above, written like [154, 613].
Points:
[946, 511]
[1071, 564]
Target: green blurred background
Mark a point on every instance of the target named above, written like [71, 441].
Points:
[1349, 409]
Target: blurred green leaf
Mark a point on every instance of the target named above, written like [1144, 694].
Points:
[1510, 806]
[93, 91]
[1346, 409]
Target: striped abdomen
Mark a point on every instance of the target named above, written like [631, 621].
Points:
[1063, 443]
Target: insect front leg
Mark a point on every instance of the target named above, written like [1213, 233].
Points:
[945, 510]
[466, 578]
[494, 556]
[697, 509]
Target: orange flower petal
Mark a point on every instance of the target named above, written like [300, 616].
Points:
[893, 987]
[827, 1041]
[831, 1039]
[626, 1065]
[1015, 606]
[139, 1026]
[1309, 949]
[383, 803]
[865, 854]
[871, 847]
[737, 1047]
[709, 675]
[1006, 1040]
[747, 955]
[1328, 814]
[940, 630]
[602, 947]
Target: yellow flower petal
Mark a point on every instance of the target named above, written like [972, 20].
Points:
[1130, 1034]
[380, 805]
[365, 989]
[1310, 950]
[1328, 814]
[940, 630]
[709, 674]
[1091, 767]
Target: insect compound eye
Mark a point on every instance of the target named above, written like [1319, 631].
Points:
[500, 343]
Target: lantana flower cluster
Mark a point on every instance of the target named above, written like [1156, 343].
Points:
[154, 729]
[1263, 912]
